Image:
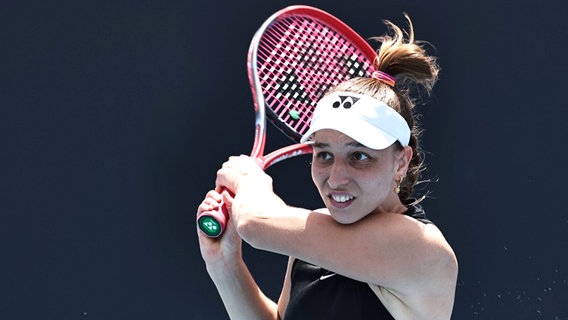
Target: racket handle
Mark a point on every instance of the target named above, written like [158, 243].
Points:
[212, 223]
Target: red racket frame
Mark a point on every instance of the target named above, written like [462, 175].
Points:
[367, 53]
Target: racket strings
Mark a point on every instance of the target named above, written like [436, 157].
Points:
[299, 59]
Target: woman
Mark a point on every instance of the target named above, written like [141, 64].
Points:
[371, 253]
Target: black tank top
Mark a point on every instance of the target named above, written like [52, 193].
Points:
[318, 294]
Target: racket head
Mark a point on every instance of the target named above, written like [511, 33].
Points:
[297, 55]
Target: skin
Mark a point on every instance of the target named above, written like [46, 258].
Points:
[409, 265]
[344, 168]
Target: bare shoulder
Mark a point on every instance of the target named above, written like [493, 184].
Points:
[427, 289]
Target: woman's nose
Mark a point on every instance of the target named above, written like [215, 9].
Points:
[338, 175]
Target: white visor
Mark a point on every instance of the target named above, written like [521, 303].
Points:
[363, 118]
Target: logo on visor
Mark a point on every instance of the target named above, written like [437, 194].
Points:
[345, 102]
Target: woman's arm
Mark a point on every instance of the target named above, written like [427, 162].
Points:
[241, 296]
[409, 259]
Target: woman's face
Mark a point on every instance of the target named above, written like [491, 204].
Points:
[354, 180]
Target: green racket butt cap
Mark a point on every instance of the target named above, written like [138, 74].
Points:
[210, 226]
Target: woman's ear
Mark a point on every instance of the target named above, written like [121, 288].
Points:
[402, 161]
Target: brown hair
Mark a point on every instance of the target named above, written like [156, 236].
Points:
[416, 72]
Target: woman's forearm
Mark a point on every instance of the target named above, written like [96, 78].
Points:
[241, 296]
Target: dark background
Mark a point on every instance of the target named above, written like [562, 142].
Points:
[115, 115]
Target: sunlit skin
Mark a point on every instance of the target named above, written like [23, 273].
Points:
[355, 181]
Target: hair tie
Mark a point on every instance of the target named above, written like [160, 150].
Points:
[384, 77]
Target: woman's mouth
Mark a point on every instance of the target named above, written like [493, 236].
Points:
[341, 198]
[341, 201]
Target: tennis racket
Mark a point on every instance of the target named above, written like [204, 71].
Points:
[294, 58]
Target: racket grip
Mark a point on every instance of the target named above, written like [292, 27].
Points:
[212, 223]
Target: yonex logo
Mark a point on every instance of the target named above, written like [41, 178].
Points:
[345, 102]
[210, 226]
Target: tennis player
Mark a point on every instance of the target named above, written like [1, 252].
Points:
[371, 253]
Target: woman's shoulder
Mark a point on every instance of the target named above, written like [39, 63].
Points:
[416, 306]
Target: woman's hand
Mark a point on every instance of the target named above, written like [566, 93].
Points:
[245, 191]
[242, 173]
[249, 184]
[219, 252]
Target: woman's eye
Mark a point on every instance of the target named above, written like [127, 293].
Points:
[323, 155]
[359, 156]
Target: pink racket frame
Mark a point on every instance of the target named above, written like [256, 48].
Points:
[259, 100]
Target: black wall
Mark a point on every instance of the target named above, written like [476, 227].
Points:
[115, 115]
